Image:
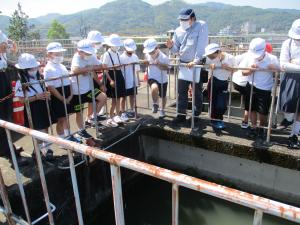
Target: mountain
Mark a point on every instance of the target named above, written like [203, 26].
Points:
[136, 17]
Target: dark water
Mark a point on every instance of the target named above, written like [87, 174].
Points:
[148, 202]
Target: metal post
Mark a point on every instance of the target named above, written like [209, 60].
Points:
[277, 103]
[175, 204]
[162, 89]
[148, 97]
[5, 200]
[251, 97]
[230, 97]
[65, 105]
[272, 108]
[211, 93]
[125, 97]
[117, 194]
[193, 99]
[80, 101]
[94, 104]
[175, 89]
[48, 108]
[134, 91]
[18, 175]
[258, 216]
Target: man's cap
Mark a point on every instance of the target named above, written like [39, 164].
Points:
[113, 40]
[55, 47]
[211, 48]
[186, 13]
[27, 61]
[85, 46]
[149, 45]
[294, 32]
[257, 47]
[95, 36]
[129, 45]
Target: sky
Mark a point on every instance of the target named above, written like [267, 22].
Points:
[35, 8]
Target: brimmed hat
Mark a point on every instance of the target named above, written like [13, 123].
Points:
[85, 46]
[27, 61]
[149, 45]
[95, 36]
[3, 37]
[186, 13]
[211, 48]
[55, 47]
[294, 32]
[257, 47]
[129, 45]
[113, 40]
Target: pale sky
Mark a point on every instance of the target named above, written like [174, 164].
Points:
[35, 8]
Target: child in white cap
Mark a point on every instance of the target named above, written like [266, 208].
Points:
[220, 64]
[157, 74]
[262, 82]
[96, 38]
[115, 83]
[29, 72]
[83, 63]
[130, 76]
[290, 85]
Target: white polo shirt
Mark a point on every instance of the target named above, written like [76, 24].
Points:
[290, 55]
[238, 77]
[84, 79]
[31, 92]
[219, 73]
[154, 71]
[114, 55]
[262, 79]
[128, 70]
[56, 70]
[3, 61]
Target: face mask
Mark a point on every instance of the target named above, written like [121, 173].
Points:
[184, 24]
[57, 59]
[98, 46]
[32, 73]
[87, 57]
[115, 49]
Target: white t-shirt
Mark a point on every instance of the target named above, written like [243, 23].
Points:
[3, 61]
[262, 79]
[219, 73]
[56, 70]
[238, 77]
[128, 70]
[36, 89]
[84, 79]
[290, 55]
[115, 57]
[154, 72]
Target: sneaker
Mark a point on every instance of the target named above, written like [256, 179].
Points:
[155, 108]
[221, 125]
[261, 134]
[124, 117]
[49, 155]
[179, 120]
[74, 139]
[244, 125]
[101, 117]
[117, 119]
[111, 123]
[84, 134]
[252, 132]
[162, 113]
[130, 114]
[293, 142]
[284, 124]
[215, 124]
[89, 123]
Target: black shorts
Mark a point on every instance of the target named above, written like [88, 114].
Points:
[57, 106]
[164, 86]
[243, 91]
[85, 98]
[119, 90]
[261, 100]
[130, 91]
[39, 115]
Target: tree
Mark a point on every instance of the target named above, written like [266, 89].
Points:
[18, 25]
[57, 31]
[83, 27]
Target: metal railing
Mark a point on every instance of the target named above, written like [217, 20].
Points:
[259, 204]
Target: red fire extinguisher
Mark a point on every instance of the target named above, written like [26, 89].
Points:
[145, 76]
[18, 108]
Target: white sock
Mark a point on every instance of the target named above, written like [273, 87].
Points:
[289, 116]
[66, 132]
[296, 128]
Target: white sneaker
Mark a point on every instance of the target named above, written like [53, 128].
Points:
[162, 113]
[111, 123]
[117, 119]
[124, 117]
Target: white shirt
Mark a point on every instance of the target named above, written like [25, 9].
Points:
[3, 61]
[238, 77]
[219, 73]
[128, 70]
[31, 92]
[115, 57]
[262, 79]
[290, 55]
[84, 79]
[56, 70]
[154, 72]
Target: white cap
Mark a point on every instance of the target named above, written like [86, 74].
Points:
[55, 47]
[113, 40]
[294, 32]
[129, 45]
[257, 47]
[211, 48]
[85, 46]
[95, 36]
[150, 45]
[27, 61]
[3, 37]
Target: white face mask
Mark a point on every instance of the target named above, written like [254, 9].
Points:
[87, 57]
[32, 73]
[115, 49]
[97, 46]
[184, 24]
[57, 59]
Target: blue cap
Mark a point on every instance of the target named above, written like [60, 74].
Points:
[185, 14]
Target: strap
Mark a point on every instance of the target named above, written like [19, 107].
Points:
[290, 44]
[112, 61]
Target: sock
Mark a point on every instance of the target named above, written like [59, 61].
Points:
[296, 128]
[289, 116]
[66, 132]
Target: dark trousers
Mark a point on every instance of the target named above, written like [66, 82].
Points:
[183, 87]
